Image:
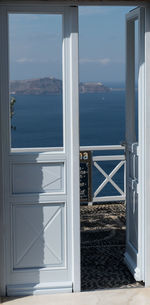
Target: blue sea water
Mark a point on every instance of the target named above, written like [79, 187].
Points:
[38, 123]
[38, 120]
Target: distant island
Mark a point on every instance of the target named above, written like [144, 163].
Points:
[50, 85]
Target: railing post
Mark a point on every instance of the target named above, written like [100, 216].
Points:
[90, 203]
[125, 179]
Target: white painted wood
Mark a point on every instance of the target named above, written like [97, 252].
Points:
[102, 147]
[47, 288]
[52, 178]
[72, 120]
[39, 248]
[83, 2]
[135, 151]
[141, 146]
[109, 158]
[146, 133]
[97, 197]
[109, 199]
[4, 76]
[25, 7]
[108, 178]
[36, 149]
[132, 16]
[38, 157]
[42, 247]
[4, 144]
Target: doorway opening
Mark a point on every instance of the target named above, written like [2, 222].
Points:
[104, 128]
[115, 204]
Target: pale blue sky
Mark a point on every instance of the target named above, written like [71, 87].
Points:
[35, 45]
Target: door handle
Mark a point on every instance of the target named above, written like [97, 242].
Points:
[123, 143]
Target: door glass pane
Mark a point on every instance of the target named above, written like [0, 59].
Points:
[35, 63]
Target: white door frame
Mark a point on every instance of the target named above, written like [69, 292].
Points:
[146, 136]
[135, 147]
[144, 149]
[74, 141]
[71, 111]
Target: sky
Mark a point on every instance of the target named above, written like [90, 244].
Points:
[35, 43]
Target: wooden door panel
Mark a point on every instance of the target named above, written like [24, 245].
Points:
[41, 186]
[39, 236]
[36, 177]
[134, 149]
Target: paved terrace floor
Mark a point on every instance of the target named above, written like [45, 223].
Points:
[103, 235]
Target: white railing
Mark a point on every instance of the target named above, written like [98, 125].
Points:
[97, 160]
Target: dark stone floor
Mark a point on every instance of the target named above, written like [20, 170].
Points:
[103, 232]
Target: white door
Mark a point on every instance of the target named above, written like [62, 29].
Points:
[134, 255]
[41, 186]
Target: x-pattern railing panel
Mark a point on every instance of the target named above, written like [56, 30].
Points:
[108, 178]
[97, 160]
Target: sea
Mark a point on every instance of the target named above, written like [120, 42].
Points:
[38, 122]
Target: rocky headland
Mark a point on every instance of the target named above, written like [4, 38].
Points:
[50, 85]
